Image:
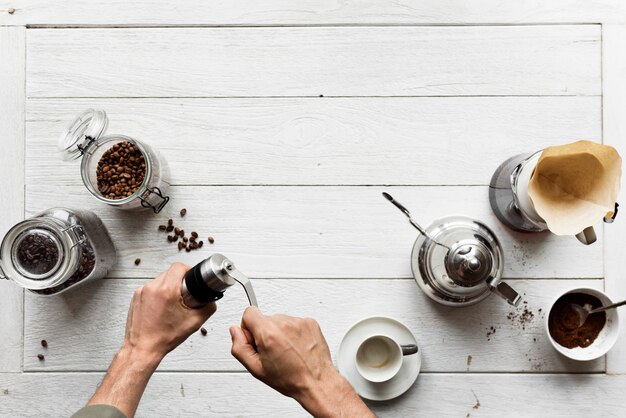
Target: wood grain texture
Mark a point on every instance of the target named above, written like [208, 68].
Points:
[85, 329]
[12, 97]
[361, 141]
[229, 395]
[309, 61]
[614, 100]
[285, 12]
[320, 232]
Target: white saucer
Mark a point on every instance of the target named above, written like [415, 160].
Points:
[358, 333]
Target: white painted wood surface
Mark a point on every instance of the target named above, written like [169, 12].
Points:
[12, 71]
[287, 12]
[309, 61]
[317, 232]
[239, 395]
[614, 129]
[314, 141]
[84, 329]
[288, 188]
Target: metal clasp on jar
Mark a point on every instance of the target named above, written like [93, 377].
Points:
[157, 192]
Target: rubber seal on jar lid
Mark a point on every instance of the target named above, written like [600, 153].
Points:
[86, 128]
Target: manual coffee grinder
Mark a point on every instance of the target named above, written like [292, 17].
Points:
[458, 261]
[207, 281]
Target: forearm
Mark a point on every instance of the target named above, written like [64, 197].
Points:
[335, 398]
[126, 380]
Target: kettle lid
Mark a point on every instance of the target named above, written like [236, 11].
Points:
[469, 262]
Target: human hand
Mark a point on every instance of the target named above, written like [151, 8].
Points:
[158, 321]
[291, 355]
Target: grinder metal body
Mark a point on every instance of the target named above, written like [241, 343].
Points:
[207, 281]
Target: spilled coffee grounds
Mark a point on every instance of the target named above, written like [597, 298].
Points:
[563, 321]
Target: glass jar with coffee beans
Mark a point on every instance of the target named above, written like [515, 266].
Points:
[118, 170]
[56, 250]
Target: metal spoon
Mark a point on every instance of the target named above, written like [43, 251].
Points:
[411, 220]
[585, 310]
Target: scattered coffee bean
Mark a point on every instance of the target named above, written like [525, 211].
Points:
[177, 231]
[40, 357]
[162, 227]
[182, 233]
[200, 244]
[211, 240]
[188, 249]
[44, 343]
[194, 234]
[192, 239]
[121, 170]
[137, 261]
[169, 228]
[183, 212]
[185, 239]
[203, 331]
[170, 222]
[181, 245]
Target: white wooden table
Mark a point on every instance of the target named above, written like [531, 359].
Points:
[420, 98]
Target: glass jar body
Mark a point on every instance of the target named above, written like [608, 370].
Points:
[82, 244]
[149, 194]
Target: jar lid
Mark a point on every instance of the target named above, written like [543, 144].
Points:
[86, 128]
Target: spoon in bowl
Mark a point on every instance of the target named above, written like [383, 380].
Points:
[585, 310]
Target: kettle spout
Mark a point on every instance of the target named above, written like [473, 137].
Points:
[505, 291]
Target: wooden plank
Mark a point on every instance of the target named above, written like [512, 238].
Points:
[309, 61]
[416, 141]
[281, 12]
[213, 395]
[12, 96]
[614, 101]
[321, 232]
[85, 329]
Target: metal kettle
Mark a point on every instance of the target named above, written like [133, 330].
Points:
[458, 261]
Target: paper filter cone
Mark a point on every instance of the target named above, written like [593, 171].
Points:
[576, 185]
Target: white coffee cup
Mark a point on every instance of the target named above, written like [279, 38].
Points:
[379, 358]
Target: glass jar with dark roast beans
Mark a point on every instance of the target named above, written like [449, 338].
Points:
[56, 250]
[118, 170]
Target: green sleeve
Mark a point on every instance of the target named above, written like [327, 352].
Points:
[99, 411]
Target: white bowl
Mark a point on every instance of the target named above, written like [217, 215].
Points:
[606, 339]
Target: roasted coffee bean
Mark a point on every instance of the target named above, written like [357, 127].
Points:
[211, 240]
[44, 343]
[116, 170]
[183, 212]
[185, 239]
[86, 265]
[169, 228]
[162, 227]
[40, 357]
[181, 245]
[192, 239]
[200, 244]
[137, 261]
[170, 222]
[203, 331]
[194, 234]
[187, 249]
[177, 231]
[182, 233]
[37, 253]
